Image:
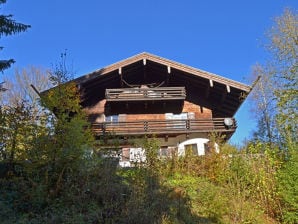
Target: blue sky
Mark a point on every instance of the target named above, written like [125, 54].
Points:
[222, 37]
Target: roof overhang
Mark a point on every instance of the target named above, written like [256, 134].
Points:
[224, 96]
[169, 64]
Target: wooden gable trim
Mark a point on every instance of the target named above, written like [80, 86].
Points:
[169, 64]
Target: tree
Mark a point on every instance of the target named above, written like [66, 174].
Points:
[27, 77]
[284, 48]
[16, 127]
[276, 94]
[281, 117]
[68, 136]
[8, 27]
[20, 88]
[264, 102]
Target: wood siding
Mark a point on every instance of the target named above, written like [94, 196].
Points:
[97, 112]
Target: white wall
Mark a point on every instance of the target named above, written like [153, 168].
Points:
[200, 146]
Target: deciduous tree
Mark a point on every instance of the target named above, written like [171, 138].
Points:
[276, 94]
[280, 72]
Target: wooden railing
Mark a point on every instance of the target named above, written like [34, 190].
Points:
[163, 127]
[141, 94]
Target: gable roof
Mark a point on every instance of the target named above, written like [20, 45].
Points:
[166, 62]
[222, 95]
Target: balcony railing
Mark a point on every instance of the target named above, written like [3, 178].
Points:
[163, 127]
[141, 94]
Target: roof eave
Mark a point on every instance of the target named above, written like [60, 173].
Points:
[169, 63]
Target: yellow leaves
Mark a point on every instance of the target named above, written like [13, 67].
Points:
[63, 99]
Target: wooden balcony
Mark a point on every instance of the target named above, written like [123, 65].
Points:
[163, 127]
[146, 94]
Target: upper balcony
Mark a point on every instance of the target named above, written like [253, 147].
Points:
[141, 99]
[146, 94]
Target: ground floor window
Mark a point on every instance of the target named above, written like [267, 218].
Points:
[191, 149]
[167, 151]
[164, 152]
[125, 154]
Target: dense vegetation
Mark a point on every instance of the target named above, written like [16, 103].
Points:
[52, 170]
[70, 185]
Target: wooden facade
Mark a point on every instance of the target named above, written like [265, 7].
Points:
[153, 96]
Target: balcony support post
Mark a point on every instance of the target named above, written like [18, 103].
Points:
[187, 124]
[103, 129]
[145, 126]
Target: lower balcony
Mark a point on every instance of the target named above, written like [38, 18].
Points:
[166, 127]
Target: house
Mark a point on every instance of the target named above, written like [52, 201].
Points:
[147, 95]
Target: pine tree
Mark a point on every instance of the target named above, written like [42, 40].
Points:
[8, 27]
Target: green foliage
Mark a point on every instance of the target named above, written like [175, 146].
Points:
[152, 147]
[9, 27]
[284, 45]
[288, 187]
[277, 175]
[50, 153]
[16, 130]
[54, 174]
[229, 187]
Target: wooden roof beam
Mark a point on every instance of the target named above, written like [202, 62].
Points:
[169, 69]
[168, 76]
[223, 97]
[224, 94]
[144, 69]
[228, 88]
[121, 77]
[207, 92]
[166, 62]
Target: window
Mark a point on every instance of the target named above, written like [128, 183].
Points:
[191, 115]
[171, 116]
[207, 148]
[112, 119]
[210, 148]
[164, 151]
[178, 120]
[125, 154]
[137, 155]
[191, 149]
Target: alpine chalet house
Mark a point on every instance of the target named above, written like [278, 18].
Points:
[146, 95]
